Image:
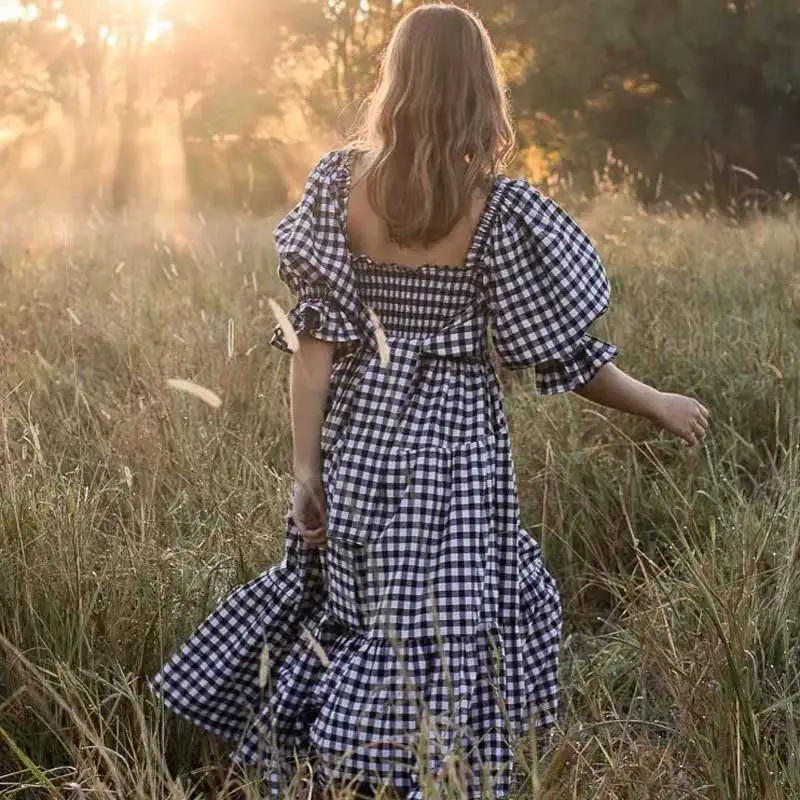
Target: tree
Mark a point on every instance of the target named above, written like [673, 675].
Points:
[674, 87]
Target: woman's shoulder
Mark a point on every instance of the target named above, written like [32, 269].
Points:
[333, 165]
[535, 219]
[522, 203]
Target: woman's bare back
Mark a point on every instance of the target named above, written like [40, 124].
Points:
[368, 235]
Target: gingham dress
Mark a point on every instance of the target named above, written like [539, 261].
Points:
[426, 633]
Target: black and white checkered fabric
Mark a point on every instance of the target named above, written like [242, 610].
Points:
[427, 631]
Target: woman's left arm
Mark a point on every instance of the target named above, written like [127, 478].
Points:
[683, 416]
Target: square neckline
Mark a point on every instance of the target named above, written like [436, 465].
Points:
[477, 240]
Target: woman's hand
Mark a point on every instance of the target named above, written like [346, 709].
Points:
[308, 510]
[683, 416]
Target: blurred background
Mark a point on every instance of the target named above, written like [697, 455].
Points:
[176, 104]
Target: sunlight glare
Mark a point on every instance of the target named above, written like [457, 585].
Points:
[156, 29]
[158, 23]
[12, 11]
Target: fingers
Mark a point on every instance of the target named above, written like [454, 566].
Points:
[696, 431]
[694, 434]
[698, 425]
[685, 418]
[704, 412]
[309, 513]
[313, 538]
[310, 524]
[310, 519]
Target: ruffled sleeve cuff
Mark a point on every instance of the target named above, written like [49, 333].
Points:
[557, 377]
[317, 316]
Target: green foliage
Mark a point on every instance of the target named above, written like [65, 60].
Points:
[665, 84]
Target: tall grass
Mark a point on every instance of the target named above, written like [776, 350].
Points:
[127, 509]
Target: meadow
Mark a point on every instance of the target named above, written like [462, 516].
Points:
[128, 509]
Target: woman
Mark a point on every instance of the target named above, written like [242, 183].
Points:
[411, 632]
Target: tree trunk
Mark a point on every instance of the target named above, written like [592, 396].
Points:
[124, 187]
[88, 161]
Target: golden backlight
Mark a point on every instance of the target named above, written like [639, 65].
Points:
[154, 14]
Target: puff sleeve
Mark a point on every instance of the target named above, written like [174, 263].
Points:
[547, 287]
[314, 260]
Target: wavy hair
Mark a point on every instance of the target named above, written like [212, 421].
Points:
[438, 124]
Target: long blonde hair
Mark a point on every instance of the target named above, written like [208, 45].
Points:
[438, 124]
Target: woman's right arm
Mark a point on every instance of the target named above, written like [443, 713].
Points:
[683, 416]
[309, 384]
[309, 381]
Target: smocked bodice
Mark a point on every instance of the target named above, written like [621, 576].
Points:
[414, 302]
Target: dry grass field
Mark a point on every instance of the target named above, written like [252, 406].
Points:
[128, 509]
